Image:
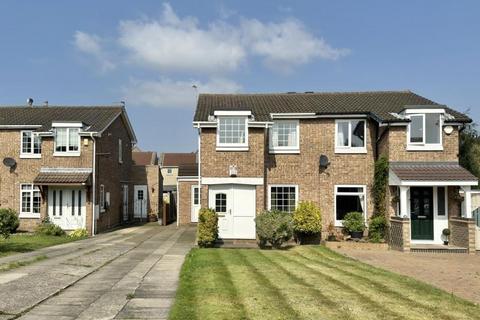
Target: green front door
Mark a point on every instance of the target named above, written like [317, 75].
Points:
[421, 213]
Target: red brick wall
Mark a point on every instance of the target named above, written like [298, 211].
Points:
[185, 201]
[113, 174]
[27, 169]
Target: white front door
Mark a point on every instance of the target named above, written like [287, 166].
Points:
[235, 206]
[66, 207]
[125, 202]
[195, 203]
[140, 199]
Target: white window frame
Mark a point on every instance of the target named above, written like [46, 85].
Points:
[349, 148]
[270, 186]
[67, 153]
[232, 146]
[101, 195]
[424, 146]
[287, 149]
[32, 154]
[339, 223]
[29, 214]
[120, 151]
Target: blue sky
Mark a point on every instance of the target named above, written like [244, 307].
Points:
[150, 53]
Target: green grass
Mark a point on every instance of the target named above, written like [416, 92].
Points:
[307, 282]
[18, 243]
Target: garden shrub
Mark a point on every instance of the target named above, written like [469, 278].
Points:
[274, 227]
[78, 233]
[307, 218]
[49, 229]
[354, 222]
[207, 231]
[380, 186]
[377, 228]
[9, 222]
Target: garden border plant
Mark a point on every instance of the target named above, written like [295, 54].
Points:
[274, 227]
[207, 230]
[9, 222]
[378, 224]
[307, 223]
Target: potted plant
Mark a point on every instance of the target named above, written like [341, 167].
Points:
[307, 223]
[354, 224]
[331, 232]
[446, 233]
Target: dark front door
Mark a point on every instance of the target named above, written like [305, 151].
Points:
[421, 212]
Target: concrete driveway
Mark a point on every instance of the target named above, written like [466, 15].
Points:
[458, 274]
[126, 274]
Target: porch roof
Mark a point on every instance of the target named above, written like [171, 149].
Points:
[63, 177]
[430, 173]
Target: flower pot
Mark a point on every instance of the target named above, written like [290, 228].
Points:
[356, 234]
[445, 243]
[309, 238]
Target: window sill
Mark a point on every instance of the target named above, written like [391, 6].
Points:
[424, 148]
[30, 156]
[286, 151]
[29, 216]
[66, 154]
[233, 148]
[351, 150]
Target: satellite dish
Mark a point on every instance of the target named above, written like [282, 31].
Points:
[324, 162]
[9, 162]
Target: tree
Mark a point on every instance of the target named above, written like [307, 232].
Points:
[470, 149]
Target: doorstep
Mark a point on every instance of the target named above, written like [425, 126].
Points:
[436, 248]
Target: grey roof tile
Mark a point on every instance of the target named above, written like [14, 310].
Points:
[378, 104]
[431, 171]
[96, 118]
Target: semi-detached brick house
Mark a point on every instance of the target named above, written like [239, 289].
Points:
[71, 164]
[270, 151]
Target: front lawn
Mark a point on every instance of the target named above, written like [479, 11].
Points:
[19, 242]
[307, 282]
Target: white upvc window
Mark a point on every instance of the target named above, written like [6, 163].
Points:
[120, 151]
[30, 201]
[67, 141]
[31, 145]
[283, 197]
[285, 137]
[232, 133]
[349, 198]
[350, 136]
[102, 198]
[424, 132]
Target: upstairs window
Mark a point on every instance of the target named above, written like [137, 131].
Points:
[67, 140]
[31, 145]
[425, 131]
[350, 136]
[284, 137]
[232, 133]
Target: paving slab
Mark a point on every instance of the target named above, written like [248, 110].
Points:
[99, 277]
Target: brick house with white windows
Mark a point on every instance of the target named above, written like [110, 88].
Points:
[270, 151]
[71, 164]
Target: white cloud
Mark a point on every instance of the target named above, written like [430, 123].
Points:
[168, 93]
[286, 44]
[90, 44]
[177, 44]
